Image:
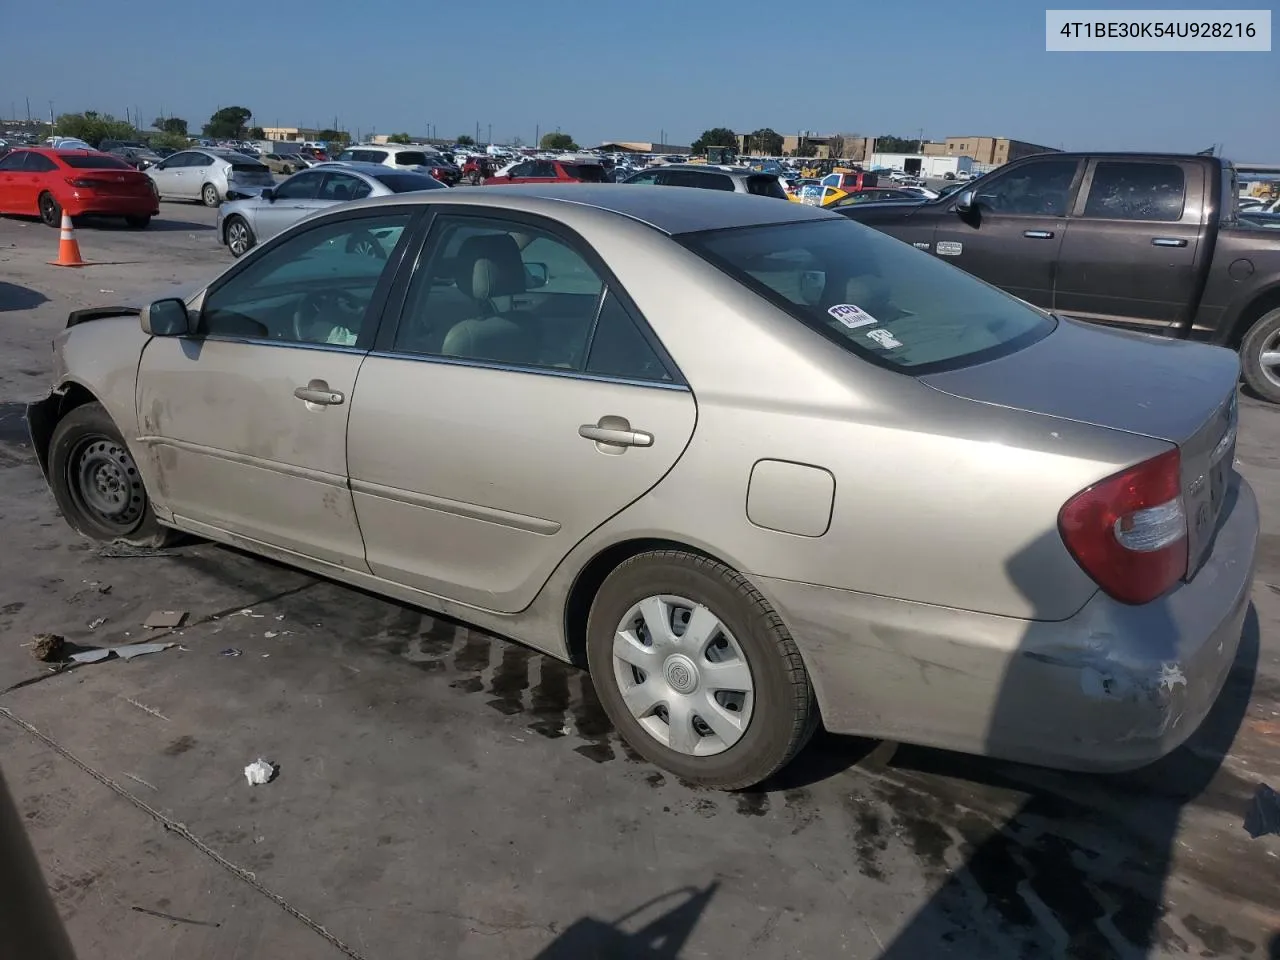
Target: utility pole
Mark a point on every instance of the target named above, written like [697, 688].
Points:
[491, 133]
[537, 134]
[28, 111]
[478, 132]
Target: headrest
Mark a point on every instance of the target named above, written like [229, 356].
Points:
[489, 266]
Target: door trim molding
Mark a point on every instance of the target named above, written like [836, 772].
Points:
[471, 511]
[288, 469]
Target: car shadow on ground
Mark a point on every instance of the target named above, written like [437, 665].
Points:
[15, 297]
[160, 224]
[631, 938]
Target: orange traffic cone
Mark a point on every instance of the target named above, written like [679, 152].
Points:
[68, 246]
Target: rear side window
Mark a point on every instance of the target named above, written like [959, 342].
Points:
[766, 186]
[1124, 190]
[873, 294]
[408, 182]
[38, 163]
[586, 172]
[411, 158]
[696, 178]
[103, 162]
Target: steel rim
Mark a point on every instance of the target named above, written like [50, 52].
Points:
[683, 676]
[106, 483]
[1269, 359]
[238, 237]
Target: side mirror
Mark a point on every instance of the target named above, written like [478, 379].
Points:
[964, 201]
[166, 318]
[535, 275]
[268, 194]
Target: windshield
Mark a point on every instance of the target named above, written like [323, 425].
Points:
[407, 182]
[97, 162]
[586, 172]
[413, 158]
[873, 294]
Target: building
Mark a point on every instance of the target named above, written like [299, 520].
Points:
[290, 133]
[991, 150]
[640, 146]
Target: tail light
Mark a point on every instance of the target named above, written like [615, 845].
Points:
[1129, 531]
[83, 182]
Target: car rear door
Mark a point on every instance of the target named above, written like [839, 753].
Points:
[245, 421]
[492, 431]
[1012, 235]
[1132, 252]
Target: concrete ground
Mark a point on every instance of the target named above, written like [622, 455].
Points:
[444, 793]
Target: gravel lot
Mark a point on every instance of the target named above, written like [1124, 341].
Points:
[445, 793]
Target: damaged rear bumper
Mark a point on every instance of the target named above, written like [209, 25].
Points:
[1114, 687]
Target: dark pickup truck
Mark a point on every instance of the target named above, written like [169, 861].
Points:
[1147, 241]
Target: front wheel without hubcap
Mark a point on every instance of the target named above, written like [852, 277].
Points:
[50, 212]
[696, 670]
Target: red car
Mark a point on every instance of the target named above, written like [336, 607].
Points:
[44, 182]
[551, 171]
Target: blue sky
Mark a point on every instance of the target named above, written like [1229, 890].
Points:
[608, 70]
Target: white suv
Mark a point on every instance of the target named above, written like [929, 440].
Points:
[396, 155]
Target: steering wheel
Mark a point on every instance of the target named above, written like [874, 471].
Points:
[322, 312]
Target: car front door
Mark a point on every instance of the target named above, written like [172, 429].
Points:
[171, 175]
[15, 193]
[293, 200]
[519, 403]
[1013, 233]
[1131, 253]
[245, 421]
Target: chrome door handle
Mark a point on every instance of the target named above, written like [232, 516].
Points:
[1038, 234]
[618, 437]
[1168, 242]
[317, 394]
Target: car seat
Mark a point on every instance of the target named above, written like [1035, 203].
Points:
[489, 269]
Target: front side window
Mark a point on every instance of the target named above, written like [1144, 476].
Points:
[1123, 190]
[873, 294]
[198, 160]
[649, 178]
[302, 186]
[501, 292]
[1033, 189]
[13, 161]
[542, 169]
[586, 172]
[406, 182]
[315, 287]
[38, 163]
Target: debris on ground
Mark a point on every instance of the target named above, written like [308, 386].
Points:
[230, 652]
[94, 625]
[123, 551]
[126, 652]
[259, 772]
[145, 709]
[48, 647]
[1264, 813]
[98, 585]
[165, 619]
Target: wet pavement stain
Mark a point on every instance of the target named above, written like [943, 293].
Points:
[752, 803]
[1217, 941]
[550, 698]
[591, 722]
[655, 779]
[869, 840]
[473, 658]
[11, 608]
[13, 424]
[179, 746]
[510, 680]
[800, 809]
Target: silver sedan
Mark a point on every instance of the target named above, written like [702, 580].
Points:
[754, 465]
[244, 223]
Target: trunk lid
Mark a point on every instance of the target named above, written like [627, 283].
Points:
[1171, 390]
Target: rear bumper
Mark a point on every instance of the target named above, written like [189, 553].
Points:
[1114, 687]
[144, 206]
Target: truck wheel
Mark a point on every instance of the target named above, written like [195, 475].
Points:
[96, 483]
[696, 670]
[1260, 356]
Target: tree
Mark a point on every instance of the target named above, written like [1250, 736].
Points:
[174, 125]
[765, 140]
[257, 133]
[835, 147]
[398, 138]
[334, 136]
[93, 127]
[715, 137]
[807, 149]
[557, 141]
[228, 123]
[174, 140]
[465, 140]
[891, 144]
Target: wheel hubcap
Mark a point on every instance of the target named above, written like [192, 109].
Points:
[1269, 358]
[683, 675]
[108, 484]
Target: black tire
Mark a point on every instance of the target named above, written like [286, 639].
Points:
[209, 195]
[1263, 337]
[50, 210]
[239, 236]
[87, 436]
[785, 712]
[138, 223]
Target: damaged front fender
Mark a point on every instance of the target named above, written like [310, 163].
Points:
[42, 417]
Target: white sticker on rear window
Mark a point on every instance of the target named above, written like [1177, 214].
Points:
[884, 338]
[851, 316]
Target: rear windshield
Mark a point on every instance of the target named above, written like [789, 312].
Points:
[257, 168]
[97, 162]
[873, 294]
[408, 182]
[412, 158]
[766, 186]
[587, 172]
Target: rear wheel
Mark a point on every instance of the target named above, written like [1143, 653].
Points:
[50, 211]
[1260, 357]
[209, 195]
[97, 484]
[138, 222]
[240, 239]
[697, 671]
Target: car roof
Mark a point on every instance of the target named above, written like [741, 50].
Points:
[672, 211]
